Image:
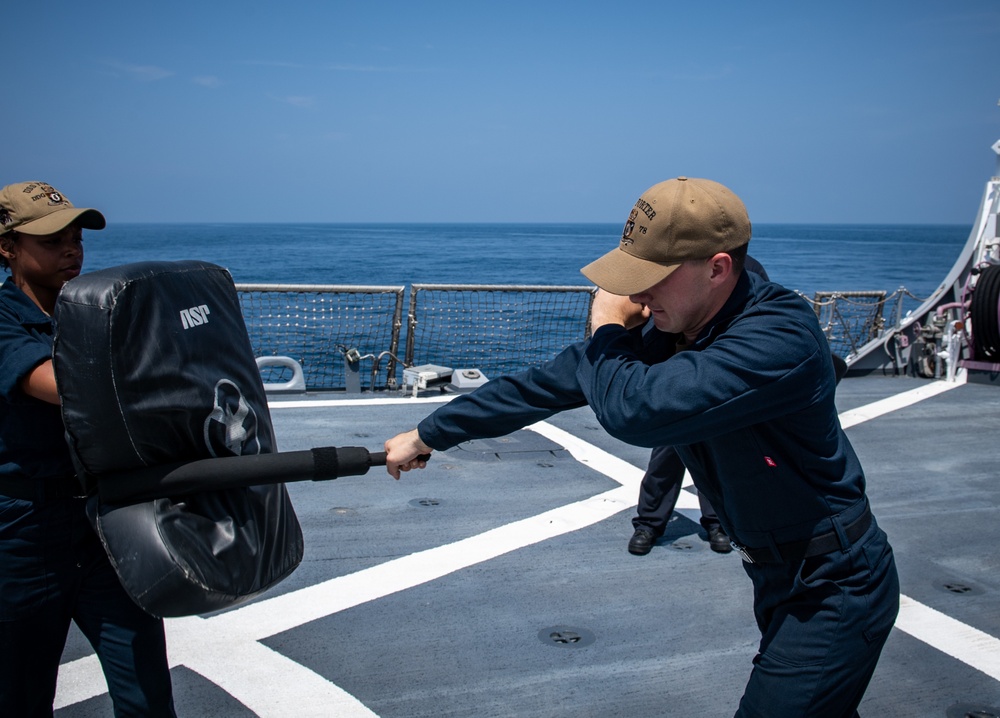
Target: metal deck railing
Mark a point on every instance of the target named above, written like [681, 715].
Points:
[340, 333]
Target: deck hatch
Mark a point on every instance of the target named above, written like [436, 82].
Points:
[519, 446]
[426, 503]
[959, 588]
[967, 710]
[566, 637]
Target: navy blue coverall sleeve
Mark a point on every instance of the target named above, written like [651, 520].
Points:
[766, 367]
[508, 403]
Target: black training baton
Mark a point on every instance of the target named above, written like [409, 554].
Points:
[320, 464]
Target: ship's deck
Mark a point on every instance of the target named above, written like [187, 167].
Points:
[486, 586]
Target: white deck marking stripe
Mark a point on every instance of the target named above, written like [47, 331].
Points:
[200, 644]
[80, 680]
[608, 464]
[618, 469]
[327, 403]
[237, 632]
[282, 613]
[965, 643]
[897, 401]
[268, 683]
[232, 633]
[969, 645]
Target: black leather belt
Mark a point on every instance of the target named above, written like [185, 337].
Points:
[62, 487]
[795, 551]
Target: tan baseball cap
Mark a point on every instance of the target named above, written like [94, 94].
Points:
[673, 222]
[38, 208]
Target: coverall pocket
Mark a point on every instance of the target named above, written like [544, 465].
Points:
[883, 593]
[23, 579]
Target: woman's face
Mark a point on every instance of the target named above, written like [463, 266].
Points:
[46, 261]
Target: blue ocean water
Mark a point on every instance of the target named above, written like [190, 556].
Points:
[808, 258]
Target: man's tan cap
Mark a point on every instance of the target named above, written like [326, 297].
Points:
[673, 222]
[38, 208]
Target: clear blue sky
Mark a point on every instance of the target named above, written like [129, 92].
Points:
[875, 111]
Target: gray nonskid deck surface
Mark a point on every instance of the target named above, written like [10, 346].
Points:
[933, 480]
[673, 632]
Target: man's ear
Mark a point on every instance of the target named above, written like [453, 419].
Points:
[721, 266]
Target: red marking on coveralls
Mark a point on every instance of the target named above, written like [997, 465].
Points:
[770, 462]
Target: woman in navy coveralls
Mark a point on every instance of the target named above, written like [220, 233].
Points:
[53, 568]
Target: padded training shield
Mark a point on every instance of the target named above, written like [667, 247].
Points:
[154, 366]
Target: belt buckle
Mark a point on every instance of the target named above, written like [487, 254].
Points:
[741, 550]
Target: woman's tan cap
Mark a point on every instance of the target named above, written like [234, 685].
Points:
[38, 208]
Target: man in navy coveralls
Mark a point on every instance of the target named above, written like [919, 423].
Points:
[739, 379]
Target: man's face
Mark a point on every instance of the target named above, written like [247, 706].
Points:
[680, 303]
